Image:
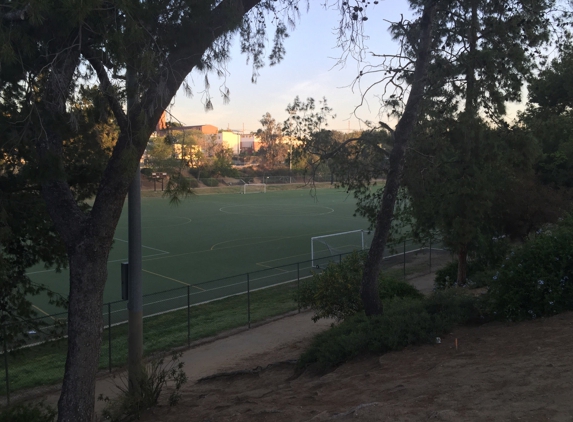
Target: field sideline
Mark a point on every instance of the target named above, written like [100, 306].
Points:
[208, 237]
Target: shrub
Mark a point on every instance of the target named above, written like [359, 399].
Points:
[146, 171]
[26, 412]
[156, 376]
[405, 322]
[193, 183]
[488, 253]
[210, 182]
[537, 279]
[446, 276]
[335, 292]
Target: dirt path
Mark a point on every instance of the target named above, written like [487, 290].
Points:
[500, 372]
[279, 340]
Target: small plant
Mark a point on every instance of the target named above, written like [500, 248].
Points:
[26, 412]
[335, 292]
[156, 375]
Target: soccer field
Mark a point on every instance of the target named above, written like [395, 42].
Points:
[209, 237]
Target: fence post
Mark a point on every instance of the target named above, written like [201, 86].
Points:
[430, 254]
[5, 350]
[404, 259]
[298, 285]
[188, 316]
[109, 333]
[248, 301]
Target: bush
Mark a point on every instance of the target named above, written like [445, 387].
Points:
[446, 276]
[146, 171]
[537, 279]
[335, 292]
[28, 413]
[210, 182]
[405, 322]
[156, 376]
[193, 183]
[488, 253]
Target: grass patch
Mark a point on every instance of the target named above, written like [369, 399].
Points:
[44, 364]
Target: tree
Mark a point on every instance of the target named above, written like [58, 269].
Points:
[222, 164]
[27, 234]
[140, 53]
[484, 55]
[549, 117]
[416, 69]
[272, 149]
[160, 155]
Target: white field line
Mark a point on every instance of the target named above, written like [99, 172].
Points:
[161, 252]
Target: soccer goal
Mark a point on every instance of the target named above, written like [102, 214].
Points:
[325, 249]
[254, 188]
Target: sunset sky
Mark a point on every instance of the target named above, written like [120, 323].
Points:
[308, 70]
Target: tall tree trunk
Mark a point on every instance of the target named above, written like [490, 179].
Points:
[369, 287]
[88, 272]
[88, 239]
[471, 93]
[462, 265]
[470, 135]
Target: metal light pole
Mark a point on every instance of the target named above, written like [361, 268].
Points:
[290, 161]
[135, 296]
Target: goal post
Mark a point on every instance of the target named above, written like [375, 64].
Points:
[254, 188]
[325, 248]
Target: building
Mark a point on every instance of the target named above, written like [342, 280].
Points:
[230, 140]
[204, 129]
[250, 143]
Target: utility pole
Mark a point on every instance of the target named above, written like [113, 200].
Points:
[135, 296]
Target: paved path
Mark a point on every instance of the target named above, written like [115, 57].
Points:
[278, 340]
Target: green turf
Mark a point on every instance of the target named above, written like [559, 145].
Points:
[208, 237]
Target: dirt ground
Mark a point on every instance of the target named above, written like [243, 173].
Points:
[500, 372]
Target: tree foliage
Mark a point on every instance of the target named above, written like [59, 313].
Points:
[458, 166]
[549, 118]
[136, 54]
[273, 150]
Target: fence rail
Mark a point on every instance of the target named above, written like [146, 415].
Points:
[407, 258]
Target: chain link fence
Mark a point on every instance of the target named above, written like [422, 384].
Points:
[173, 319]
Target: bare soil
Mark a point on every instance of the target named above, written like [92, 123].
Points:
[499, 372]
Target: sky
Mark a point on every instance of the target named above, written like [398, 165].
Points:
[308, 70]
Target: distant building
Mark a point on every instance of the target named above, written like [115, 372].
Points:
[162, 128]
[161, 125]
[204, 129]
[230, 140]
[250, 143]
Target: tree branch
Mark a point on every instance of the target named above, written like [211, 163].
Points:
[106, 87]
[16, 15]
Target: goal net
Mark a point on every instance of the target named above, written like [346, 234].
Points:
[254, 188]
[332, 247]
